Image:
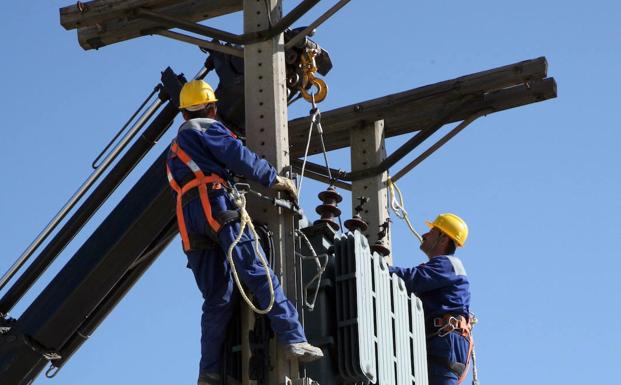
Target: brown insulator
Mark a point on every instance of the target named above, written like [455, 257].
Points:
[357, 222]
[329, 210]
[380, 248]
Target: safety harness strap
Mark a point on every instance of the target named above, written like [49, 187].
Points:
[449, 323]
[200, 182]
[201, 242]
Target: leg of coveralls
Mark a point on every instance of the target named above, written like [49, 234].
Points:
[453, 346]
[442, 380]
[214, 280]
[283, 316]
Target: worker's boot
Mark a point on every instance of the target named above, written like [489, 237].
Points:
[303, 351]
[209, 379]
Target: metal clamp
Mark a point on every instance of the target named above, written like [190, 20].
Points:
[244, 188]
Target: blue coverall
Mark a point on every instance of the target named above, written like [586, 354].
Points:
[215, 150]
[443, 287]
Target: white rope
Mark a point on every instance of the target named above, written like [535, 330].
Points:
[398, 207]
[475, 371]
[245, 220]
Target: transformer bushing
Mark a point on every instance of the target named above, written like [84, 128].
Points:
[328, 211]
[357, 222]
[379, 246]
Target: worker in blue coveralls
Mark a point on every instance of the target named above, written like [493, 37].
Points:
[442, 285]
[199, 165]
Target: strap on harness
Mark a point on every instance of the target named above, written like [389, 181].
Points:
[445, 325]
[201, 242]
[210, 240]
[449, 323]
[201, 183]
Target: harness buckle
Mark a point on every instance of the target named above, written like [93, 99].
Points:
[241, 188]
[451, 325]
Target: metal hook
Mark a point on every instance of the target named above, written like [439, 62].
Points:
[315, 97]
[52, 371]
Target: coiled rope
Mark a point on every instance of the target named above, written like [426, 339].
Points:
[245, 220]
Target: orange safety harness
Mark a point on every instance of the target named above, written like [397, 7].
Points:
[204, 183]
[449, 323]
[201, 182]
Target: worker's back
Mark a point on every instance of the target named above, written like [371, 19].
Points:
[441, 283]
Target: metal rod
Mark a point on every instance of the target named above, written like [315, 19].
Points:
[79, 193]
[205, 69]
[282, 25]
[293, 16]
[320, 169]
[116, 136]
[316, 23]
[319, 176]
[438, 144]
[190, 26]
[202, 43]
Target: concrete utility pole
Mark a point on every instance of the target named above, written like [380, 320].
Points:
[268, 135]
[369, 150]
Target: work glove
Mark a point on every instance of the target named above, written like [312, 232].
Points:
[287, 185]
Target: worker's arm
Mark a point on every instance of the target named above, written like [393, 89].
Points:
[436, 273]
[230, 152]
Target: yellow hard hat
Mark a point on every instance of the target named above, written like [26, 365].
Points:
[195, 95]
[451, 225]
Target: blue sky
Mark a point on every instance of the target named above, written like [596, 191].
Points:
[538, 185]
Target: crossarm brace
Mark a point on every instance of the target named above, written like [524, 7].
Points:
[246, 38]
[243, 39]
[320, 172]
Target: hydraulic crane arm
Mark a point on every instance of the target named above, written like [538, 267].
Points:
[101, 272]
[93, 281]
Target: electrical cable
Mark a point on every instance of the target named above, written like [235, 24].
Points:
[310, 133]
[317, 277]
[315, 115]
[398, 207]
[323, 150]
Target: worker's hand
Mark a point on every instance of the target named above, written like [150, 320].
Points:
[286, 184]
